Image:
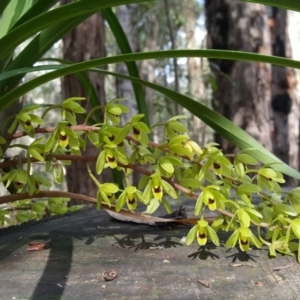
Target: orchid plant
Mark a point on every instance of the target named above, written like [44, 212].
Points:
[223, 183]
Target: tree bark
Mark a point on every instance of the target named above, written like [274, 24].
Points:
[284, 94]
[127, 15]
[84, 43]
[196, 87]
[294, 116]
[244, 89]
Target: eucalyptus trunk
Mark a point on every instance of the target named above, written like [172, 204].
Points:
[148, 66]
[196, 87]
[84, 43]
[243, 92]
[127, 15]
[292, 90]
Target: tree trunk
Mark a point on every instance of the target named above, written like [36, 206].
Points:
[244, 92]
[127, 17]
[284, 94]
[84, 43]
[196, 87]
[294, 115]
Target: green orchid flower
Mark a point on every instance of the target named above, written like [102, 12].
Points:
[174, 128]
[26, 120]
[139, 129]
[241, 161]
[106, 193]
[244, 236]
[114, 110]
[112, 136]
[70, 108]
[156, 187]
[18, 177]
[65, 137]
[34, 183]
[202, 231]
[211, 197]
[269, 179]
[142, 155]
[130, 196]
[109, 157]
[193, 148]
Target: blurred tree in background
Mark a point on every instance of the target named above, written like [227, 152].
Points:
[84, 43]
[260, 98]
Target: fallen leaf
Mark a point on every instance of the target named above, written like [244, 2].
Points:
[109, 275]
[242, 264]
[205, 283]
[37, 246]
[281, 267]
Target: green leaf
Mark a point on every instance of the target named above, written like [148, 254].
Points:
[58, 173]
[231, 242]
[199, 204]
[121, 201]
[13, 125]
[35, 154]
[239, 166]
[213, 236]
[2, 140]
[153, 206]
[109, 188]
[267, 172]
[255, 241]
[23, 116]
[272, 251]
[169, 189]
[72, 100]
[190, 183]
[100, 162]
[50, 144]
[18, 35]
[166, 165]
[177, 126]
[42, 180]
[246, 158]
[287, 209]
[244, 217]
[21, 175]
[296, 227]
[249, 188]
[191, 235]
[167, 206]
[72, 105]
[99, 200]
[143, 182]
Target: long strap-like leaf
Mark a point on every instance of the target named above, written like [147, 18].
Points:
[18, 35]
[216, 121]
[10, 97]
[124, 46]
